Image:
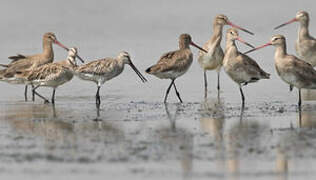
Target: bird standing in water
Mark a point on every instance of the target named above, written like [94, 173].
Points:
[102, 70]
[291, 69]
[213, 59]
[51, 75]
[174, 64]
[240, 67]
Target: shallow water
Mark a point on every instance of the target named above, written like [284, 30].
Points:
[135, 135]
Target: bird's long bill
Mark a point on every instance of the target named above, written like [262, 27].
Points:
[193, 44]
[137, 72]
[241, 40]
[284, 24]
[79, 58]
[238, 27]
[67, 49]
[254, 49]
[61, 45]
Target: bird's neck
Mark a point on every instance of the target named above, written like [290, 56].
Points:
[183, 45]
[280, 51]
[303, 32]
[231, 48]
[71, 62]
[217, 33]
[48, 50]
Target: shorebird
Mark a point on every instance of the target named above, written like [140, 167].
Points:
[51, 75]
[291, 69]
[21, 62]
[240, 67]
[213, 60]
[174, 64]
[305, 44]
[102, 70]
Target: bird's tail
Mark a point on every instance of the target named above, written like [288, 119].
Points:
[265, 75]
[148, 70]
[4, 65]
[153, 69]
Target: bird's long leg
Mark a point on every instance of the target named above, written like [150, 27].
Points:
[242, 95]
[168, 90]
[178, 94]
[53, 96]
[33, 94]
[218, 82]
[36, 93]
[299, 100]
[25, 93]
[242, 112]
[97, 96]
[205, 84]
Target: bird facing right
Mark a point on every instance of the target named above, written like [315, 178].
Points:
[240, 67]
[102, 70]
[213, 59]
[174, 64]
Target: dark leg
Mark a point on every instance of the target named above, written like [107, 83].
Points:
[168, 90]
[205, 84]
[242, 112]
[299, 100]
[34, 91]
[97, 96]
[33, 94]
[53, 96]
[54, 111]
[218, 83]
[242, 96]
[178, 94]
[300, 118]
[25, 93]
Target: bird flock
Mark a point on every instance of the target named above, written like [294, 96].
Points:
[39, 70]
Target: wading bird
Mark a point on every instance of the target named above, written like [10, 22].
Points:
[213, 59]
[21, 62]
[305, 44]
[291, 69]
[51, 75]
[100, 71]
[174, 64]
[240, 67]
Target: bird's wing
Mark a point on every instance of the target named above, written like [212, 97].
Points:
[303, 70]
[168, 61]
[17, 57]
[46, 71]
[98, 67]
[251, 66]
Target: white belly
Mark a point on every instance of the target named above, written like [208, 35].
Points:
[210, 60]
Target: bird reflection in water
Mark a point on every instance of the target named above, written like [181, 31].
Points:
[176, 141]
[212, 121]
[244, 137]
[307, 117]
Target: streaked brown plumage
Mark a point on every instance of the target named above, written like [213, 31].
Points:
[174, 64]
[240, 67]
[102, 70]
[21, 62]
[52, 74]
